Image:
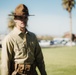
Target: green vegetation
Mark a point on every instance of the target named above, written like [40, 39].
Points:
[60, 60]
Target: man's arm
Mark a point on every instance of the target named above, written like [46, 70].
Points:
[6, 57]
[39, 59]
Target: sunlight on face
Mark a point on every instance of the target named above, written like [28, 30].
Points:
[20, 24]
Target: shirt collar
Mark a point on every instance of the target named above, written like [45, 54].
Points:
[17, 31]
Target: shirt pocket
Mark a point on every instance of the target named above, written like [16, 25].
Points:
[20, 50]
[32, 46]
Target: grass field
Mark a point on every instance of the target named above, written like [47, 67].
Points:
[60, 61]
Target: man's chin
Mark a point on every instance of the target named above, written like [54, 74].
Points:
[23, 26]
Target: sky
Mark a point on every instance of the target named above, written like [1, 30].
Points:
[50, 16]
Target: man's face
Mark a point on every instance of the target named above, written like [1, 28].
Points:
[21, 21]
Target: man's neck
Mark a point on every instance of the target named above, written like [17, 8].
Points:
[23, 30]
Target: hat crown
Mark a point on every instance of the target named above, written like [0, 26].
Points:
[21, 10]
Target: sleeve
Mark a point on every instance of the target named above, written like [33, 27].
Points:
[6, 55]
[39, 59]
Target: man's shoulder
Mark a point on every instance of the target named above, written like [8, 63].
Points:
[8, 37]
[32, 34]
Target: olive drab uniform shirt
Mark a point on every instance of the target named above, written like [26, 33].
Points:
[23, 48]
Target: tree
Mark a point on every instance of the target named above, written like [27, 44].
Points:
[68, 5]
[73, 37]
[11, 22]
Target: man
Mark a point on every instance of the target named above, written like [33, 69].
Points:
[21, 53]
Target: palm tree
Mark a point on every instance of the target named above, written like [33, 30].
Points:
[68, 5]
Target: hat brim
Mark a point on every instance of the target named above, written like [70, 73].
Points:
[18, 15]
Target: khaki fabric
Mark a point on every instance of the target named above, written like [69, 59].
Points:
[20, 48]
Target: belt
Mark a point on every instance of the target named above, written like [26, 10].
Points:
[21, 69]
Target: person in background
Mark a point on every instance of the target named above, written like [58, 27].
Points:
[21, 53]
